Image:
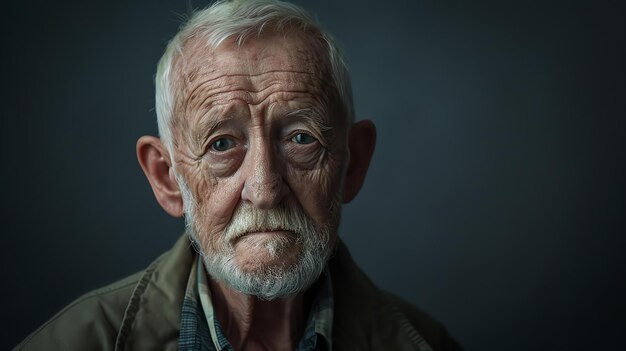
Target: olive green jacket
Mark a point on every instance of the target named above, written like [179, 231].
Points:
[142, 312]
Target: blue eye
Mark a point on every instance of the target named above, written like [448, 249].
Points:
[303, 138]
[222, 144]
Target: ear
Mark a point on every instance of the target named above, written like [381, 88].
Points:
[155, 162]
[361, 142]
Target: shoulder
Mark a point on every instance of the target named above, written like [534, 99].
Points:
[124, 310]
[90, 322]
[366, 317]
[432, 331]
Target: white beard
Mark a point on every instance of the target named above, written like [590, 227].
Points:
[269, 282]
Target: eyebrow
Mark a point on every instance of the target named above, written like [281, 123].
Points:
[202, 131]
[312, 116]
[209, 124]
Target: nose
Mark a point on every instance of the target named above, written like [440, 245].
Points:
[264, 186]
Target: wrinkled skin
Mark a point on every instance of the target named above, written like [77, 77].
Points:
[255, 123]
[258, 125]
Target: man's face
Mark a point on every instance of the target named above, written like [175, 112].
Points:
[260, 146]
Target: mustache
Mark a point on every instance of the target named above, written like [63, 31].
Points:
[286, 217]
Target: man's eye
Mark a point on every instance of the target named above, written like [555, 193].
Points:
[222, 144]
[303, 138]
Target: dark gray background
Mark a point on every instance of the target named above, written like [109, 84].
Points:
[495, 200]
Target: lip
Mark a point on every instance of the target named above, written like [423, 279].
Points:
[270, 232]
[267, 233]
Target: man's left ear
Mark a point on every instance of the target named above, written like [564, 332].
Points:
[361, 142]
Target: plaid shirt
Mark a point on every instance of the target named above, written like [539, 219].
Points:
[201, 331]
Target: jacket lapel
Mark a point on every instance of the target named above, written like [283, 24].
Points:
[152, 317]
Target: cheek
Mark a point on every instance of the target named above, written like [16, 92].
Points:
[223, 164]
[318, 189]
[216, 199]
[304, 157]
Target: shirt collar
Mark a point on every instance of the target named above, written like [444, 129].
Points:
[317, 334]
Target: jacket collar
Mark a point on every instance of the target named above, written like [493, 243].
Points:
[363, 317]
[152, 318]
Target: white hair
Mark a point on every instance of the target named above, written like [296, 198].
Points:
[239, 19]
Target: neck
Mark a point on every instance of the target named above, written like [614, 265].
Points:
[253, 324]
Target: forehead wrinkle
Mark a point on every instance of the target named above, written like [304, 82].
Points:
[196, 63]
[225, 93]
[203, 92]
[256, 60]
[292, 83]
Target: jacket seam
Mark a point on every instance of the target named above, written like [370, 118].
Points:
[133, 305]
[411, 332]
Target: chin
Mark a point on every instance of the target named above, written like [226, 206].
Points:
[274, 251]
[267, 263]
[268, 268]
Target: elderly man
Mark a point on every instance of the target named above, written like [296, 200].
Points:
[258, 149]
